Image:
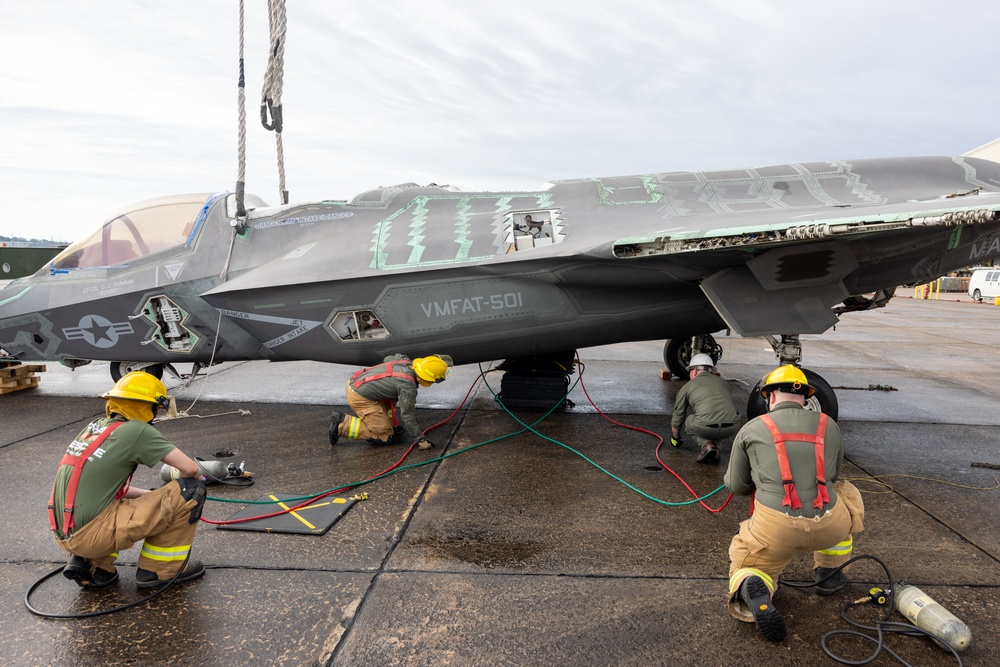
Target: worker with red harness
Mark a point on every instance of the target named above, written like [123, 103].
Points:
[94, 512]
[790, 461]
[385, 395]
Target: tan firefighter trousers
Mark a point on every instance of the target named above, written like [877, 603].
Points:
[373, 420]
[159, 518]
[768, 541]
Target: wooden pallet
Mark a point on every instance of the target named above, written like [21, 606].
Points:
[21, 376]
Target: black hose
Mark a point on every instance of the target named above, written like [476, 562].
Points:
[101, 612]
[881, 628]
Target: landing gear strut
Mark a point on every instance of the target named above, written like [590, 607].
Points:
[789, 351]
[677, 352]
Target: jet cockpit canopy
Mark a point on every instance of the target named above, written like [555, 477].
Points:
[141, 229]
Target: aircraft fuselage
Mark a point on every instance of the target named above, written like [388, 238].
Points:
[492, 275]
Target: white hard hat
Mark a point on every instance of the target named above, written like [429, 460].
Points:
[699, 360]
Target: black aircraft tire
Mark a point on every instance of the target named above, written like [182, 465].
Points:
[824, 398]
[676, 355]
[120, 369]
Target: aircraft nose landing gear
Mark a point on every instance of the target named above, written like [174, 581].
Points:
[677, 352]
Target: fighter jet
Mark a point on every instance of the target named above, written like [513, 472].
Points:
[773, 251]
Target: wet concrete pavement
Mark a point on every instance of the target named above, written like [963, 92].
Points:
[521, 551]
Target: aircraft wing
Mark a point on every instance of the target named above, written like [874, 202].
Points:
[791, 268]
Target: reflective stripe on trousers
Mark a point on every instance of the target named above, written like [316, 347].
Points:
[165, 553]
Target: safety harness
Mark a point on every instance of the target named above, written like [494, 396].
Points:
[388, 370]
[818, 439]
[77, 462]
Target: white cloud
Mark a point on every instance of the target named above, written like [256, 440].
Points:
[106, 103]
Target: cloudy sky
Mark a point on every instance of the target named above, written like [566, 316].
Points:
[105, 103]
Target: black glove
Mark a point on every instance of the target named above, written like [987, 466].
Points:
[676, 442]
[193, 489]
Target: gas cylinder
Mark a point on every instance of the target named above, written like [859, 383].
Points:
[210, 471]
[927, 614]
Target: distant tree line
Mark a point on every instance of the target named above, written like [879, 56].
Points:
[22, 239]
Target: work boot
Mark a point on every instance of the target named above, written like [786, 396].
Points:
[79, 570]
[147, 579]
[709, 453]
[398, 435]
[831, 585]
[757, 597]
[335, 421]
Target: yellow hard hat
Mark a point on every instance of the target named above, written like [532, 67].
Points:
[140, 386]
[786, 378]
[436, 368]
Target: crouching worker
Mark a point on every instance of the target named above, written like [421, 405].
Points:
[383, 394]
[95, 513]
[704, 407]
[790, 460]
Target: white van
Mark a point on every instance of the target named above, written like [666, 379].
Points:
[984, 283]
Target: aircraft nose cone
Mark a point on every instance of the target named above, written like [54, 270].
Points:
[11, 310]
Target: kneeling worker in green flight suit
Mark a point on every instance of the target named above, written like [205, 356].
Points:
[704, 408]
